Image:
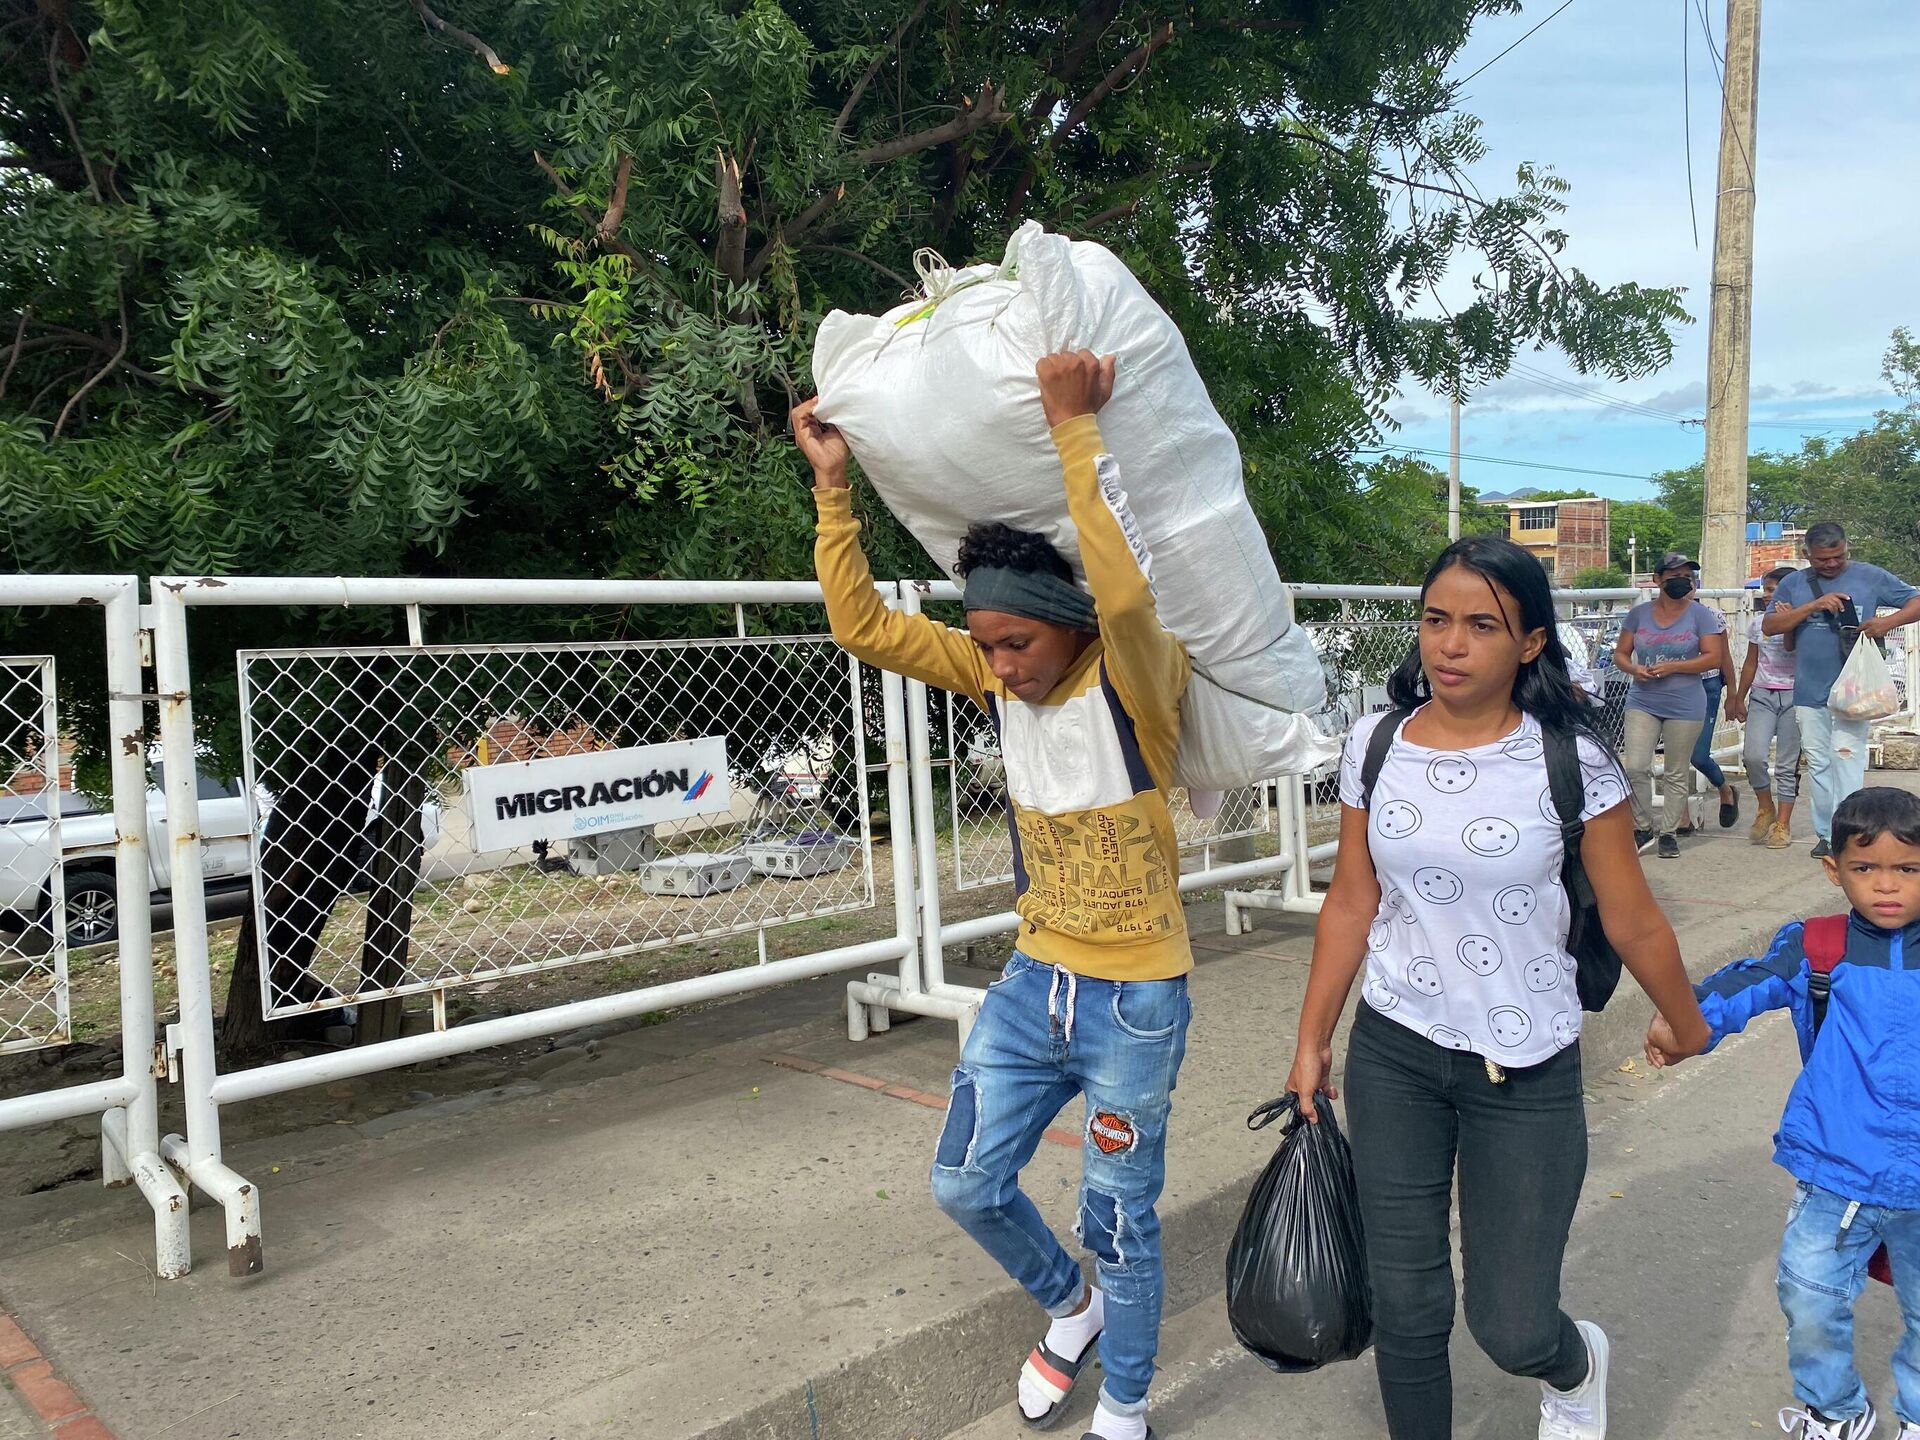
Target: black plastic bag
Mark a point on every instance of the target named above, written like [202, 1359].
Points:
[1297, 1290]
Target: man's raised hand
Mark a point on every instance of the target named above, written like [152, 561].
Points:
[1074, 383]
[823, 445]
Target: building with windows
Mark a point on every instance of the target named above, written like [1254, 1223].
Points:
[1567, 536]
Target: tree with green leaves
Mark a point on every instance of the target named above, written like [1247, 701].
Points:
[1776, 490]
[478, 287]
[1639, 532]
[1870, 482]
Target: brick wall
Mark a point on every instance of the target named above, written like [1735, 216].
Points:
[1582, 538]
[1765, 555]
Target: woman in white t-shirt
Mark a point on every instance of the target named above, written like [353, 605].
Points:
[1465, 1052]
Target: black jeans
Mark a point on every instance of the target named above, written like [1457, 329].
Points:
[1414, 1108]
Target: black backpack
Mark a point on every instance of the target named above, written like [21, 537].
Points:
[1597, 963]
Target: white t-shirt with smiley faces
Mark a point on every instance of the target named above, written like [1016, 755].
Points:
[1469, 947]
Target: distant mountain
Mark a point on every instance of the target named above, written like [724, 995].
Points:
[1525, 492]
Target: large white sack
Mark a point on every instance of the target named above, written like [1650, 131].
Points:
[939, 402]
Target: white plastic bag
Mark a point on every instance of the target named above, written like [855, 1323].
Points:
[1864, 689]
[939, 402]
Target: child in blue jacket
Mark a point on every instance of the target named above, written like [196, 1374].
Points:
[1851, 1131]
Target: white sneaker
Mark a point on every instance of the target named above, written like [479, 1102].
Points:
[1580, 1413]
[1909, 1431]
[1807, 1425]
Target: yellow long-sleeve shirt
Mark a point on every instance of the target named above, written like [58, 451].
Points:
[1096, 864]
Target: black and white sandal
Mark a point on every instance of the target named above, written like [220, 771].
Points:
[1056, 1377]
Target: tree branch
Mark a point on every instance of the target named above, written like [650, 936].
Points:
[794, 229]
[730, 250]
[860, 88]
[466, 37]
[1254, 26]
[113, 363]
[26, 314]
[868, 260]
[1092, 22]
[609, 225]
[989, 110]
[1135, 59]
[73, 130]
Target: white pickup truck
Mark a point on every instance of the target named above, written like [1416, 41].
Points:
[86, 855]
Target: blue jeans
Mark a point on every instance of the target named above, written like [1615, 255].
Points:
[1836, 752]
[1823, 1266]
[1703, 760]
[1043, 1036]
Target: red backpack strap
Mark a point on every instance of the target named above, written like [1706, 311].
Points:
[1823, 939]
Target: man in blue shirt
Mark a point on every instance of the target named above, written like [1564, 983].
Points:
[1826, 608]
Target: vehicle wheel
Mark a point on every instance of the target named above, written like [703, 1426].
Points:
[93, 907]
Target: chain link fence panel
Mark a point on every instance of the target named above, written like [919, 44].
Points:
[365, 768]
[33, 921]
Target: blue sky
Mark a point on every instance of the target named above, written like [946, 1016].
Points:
[1597, 94]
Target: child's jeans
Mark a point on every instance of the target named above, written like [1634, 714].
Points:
[1823, 1267]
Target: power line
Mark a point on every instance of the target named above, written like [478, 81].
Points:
[1513, 47]
[1686, 112]
[1501, 460]
[1581, 392]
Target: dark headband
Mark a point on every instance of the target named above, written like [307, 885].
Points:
[1033, 594]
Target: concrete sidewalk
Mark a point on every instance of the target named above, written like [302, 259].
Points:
[717, 1227]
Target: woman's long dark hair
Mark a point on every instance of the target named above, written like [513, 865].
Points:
[1542, 688]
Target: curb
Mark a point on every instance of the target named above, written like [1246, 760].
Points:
[32, 1375]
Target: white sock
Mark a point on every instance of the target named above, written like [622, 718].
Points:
[1109, 1426]
[1067, 1337]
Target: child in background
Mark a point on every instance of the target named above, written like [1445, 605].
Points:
[1851, 1132]
[1763, 697]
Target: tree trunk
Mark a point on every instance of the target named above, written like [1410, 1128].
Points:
[398, 851]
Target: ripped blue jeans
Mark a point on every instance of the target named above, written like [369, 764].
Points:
[1045, 1034]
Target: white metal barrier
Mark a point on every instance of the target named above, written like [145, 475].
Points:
[417, 709]
[345, 750]
[34, 1009]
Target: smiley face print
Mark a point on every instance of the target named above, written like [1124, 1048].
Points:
[1437, 886]
[1380, 995]
[1524, 747]
[1453, 1039]
[1381, 935]
[1491, 836]
[1565, 1031]
[1424, 976]
[1450, 774]
[1396, 820]
[1396, 900]
[1543, 974]
[1605, 792]
[1479, 954]
[1515, 904]
[1509, 1025]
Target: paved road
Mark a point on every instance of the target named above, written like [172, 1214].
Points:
[1673, 1252]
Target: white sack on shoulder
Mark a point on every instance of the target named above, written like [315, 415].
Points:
[939, 403]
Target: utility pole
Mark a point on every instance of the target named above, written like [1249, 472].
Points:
[1730, 340]
[1633, 555]
[1453, 476]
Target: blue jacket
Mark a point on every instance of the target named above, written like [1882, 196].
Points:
[1852, 1122]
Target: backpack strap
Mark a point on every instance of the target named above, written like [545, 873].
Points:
[1378, 744]
[1823, 938]
[1569, 786]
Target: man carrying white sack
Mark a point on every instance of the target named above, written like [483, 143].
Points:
[1084, 693]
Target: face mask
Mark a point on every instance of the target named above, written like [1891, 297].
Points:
[1679, 587]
